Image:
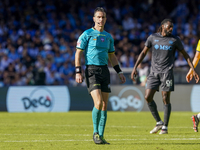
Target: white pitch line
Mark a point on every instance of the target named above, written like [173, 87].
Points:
[49, 134]
[90, 126]
[86, 135]
[158, 139]
[27, 141]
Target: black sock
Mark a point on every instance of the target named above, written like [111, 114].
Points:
[167, 112]
[153, 108]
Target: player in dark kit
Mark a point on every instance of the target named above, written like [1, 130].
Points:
[163, 45]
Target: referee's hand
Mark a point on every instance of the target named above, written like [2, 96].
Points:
[79, 78]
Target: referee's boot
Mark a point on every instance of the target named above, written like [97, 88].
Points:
[104, 141]
[97, 139]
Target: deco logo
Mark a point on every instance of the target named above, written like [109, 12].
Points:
[40, 99]
[129, 99]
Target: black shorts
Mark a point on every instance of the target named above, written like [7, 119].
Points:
[164, 80]
[97, 77]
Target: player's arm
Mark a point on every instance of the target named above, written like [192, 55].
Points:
[196, 59]
[139, 60]
[197, 55]
[114, 63]
[78, 55]
[189, 75]
[187, 58]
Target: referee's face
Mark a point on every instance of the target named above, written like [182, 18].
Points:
[99, 18]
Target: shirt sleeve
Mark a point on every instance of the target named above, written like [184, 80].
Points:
[112, 48]
[198, 46]
[179, 44]
[82, 41]
[148, 42]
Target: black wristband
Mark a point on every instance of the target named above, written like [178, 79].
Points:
[78, 69]
[117, 69]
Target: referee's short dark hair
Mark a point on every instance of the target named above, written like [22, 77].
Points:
[101, 9]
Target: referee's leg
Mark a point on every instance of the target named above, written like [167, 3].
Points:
[96, 114]
[103, 119]
[97, 98]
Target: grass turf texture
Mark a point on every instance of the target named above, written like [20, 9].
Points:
[73, 131]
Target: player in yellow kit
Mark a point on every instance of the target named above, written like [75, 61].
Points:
[195, 118]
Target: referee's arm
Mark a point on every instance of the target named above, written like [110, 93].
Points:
[78, 56]
[114, 62]
[113, 59]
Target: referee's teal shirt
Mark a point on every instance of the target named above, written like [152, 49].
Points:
[96, 46]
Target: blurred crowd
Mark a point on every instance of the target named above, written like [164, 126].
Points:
[38, 38]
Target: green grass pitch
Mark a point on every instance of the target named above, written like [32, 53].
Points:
[73, 131]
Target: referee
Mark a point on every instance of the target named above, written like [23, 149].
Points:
[98, 47]
[163, 45]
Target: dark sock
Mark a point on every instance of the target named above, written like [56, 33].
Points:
[153, 108]
[167, 112]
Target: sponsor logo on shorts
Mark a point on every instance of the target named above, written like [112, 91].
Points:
[96, 84]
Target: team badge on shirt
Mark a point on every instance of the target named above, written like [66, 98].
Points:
[102, 39]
